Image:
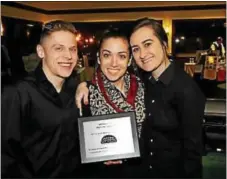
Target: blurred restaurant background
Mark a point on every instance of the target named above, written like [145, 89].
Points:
[191, 26]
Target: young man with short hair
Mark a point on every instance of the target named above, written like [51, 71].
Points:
[39, 116]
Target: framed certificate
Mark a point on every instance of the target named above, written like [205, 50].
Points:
[108, 137]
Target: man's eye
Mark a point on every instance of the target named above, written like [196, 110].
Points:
[59, 49]
[73, 49]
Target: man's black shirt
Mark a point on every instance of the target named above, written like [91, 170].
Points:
[39, 129]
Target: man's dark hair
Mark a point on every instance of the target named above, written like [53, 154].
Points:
[155, 25]
[54, 26]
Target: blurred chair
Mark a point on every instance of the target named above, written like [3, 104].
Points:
[221, 74]
[210, 68]
[214, 124]
[200, 60]
[190, 68]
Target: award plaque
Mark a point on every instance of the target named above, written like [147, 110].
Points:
[108, 137]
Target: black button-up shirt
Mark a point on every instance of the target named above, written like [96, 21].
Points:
[172, 132]
[39, 129]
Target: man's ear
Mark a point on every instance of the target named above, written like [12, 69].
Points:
[40, 51]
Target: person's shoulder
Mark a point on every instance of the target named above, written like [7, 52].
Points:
[17, 86]
[9, 89]
[26, 81]
[21, 85]
[21, 91]
[185, 82]
[181, 76]
[13, 91]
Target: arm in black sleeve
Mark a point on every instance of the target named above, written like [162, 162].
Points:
[13, 114]
[191, 113]
[11, 135]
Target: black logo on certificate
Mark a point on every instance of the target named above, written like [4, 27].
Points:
[108, 139]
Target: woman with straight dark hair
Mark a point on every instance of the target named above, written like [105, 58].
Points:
[172, 131]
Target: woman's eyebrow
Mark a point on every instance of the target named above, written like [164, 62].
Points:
[147, 40]
[104, 50]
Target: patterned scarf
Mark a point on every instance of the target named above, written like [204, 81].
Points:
[105, 98]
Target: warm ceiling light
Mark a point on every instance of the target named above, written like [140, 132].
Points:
[30, 25]
[28, 33]
[91, 40]
[78, 37]
[177, 40]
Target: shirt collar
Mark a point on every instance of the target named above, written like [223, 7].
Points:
[166, 77]
[41, 78]
[40, 75]
[68, 88]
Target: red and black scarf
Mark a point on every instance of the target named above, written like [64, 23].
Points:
[105, 98]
